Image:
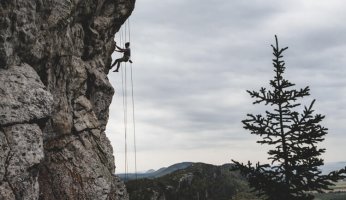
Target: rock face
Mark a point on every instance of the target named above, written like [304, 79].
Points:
[54, 98]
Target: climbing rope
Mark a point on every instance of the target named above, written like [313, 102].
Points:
[133, 107]
[124, 92]
[125, 35]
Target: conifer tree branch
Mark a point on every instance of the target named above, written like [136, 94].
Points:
[295, 156]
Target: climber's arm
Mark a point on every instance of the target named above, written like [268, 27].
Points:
[120, 49]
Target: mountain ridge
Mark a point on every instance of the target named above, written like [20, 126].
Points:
[326, 168]
[155, 174]
[205, 182]
[198, 181]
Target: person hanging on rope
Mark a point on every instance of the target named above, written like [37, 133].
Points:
[125, 58]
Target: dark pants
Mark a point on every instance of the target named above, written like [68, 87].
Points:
[119, 60]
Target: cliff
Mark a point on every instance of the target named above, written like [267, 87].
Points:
[54, 98]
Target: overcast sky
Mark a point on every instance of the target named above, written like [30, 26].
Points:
[194, 61]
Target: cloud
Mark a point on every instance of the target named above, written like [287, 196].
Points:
[194, 60]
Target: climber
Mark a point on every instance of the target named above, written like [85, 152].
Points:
[125, 58]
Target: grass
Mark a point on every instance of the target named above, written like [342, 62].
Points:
[338, 193]
[340, 186]
[331, 196]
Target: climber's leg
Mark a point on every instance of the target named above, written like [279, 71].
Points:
[115, 62]
[117, 69]
[123, 59]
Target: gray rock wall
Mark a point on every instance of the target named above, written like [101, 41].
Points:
[54, 98]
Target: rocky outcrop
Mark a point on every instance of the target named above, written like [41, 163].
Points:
[25, 105]
[54, 98]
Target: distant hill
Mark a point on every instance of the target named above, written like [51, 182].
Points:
[332, 166]
[155, 174]
[195, 181]
[150, 171]
[200, 181]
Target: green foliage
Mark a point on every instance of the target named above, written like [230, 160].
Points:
[199, 181]
[294, 136]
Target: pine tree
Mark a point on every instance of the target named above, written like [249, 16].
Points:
[295, 157]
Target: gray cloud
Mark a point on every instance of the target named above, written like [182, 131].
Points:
[195, 59]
